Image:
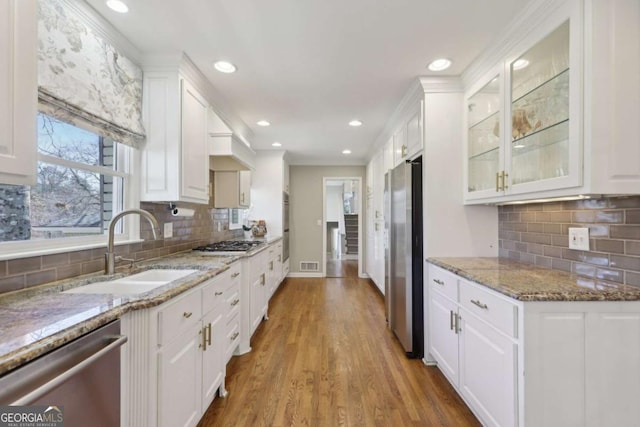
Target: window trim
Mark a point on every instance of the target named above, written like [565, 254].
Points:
[129, 159]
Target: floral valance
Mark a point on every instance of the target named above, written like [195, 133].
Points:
[83, 79]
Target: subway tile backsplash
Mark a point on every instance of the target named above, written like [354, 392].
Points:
[538, 233]
[187, 234]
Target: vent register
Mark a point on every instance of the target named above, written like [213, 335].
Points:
[309, 266]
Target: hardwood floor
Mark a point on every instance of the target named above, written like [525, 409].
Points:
[325, 357]
[342, 268]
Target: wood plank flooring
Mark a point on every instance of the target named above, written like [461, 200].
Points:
[342, 268]
[325, 357]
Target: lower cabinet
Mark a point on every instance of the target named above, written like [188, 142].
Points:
[581, 358]
[175, 360]
[488, 368]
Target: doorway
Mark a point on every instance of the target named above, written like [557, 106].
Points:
[342, 226]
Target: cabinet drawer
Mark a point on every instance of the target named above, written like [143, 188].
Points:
[497, 311]
[213, 292]
[232, 340]
[178, 315]
[444, 281]
[232, 304]
[234, 275]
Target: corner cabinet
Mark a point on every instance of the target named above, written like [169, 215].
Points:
[175, 158]
[531, 125]
[18, 92]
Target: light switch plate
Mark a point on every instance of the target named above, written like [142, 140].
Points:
[579, 238]
[168, 230]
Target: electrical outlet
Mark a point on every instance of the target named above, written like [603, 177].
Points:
[579, 238]
[168, 230]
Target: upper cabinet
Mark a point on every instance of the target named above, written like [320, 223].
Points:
[407, 140]
[18, 92]
[175, 158]
[232, 189]
[530, 123]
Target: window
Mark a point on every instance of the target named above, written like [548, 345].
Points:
[81, 184]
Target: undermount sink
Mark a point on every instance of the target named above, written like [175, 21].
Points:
[133, 285]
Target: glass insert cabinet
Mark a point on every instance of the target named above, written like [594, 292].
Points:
[523, 133]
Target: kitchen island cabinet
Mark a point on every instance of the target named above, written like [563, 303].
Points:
[577, 340]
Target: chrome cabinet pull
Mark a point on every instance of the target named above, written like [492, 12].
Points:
[235, 302]
[451, 319]
[479, 304]
[234, 336]
[218, 293]
[187, 314]
[234, 275]
[264, 279]
[209, 334]
[439, 282]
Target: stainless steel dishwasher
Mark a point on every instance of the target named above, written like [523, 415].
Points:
[83, 377]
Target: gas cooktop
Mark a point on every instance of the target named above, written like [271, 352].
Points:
[229, 246]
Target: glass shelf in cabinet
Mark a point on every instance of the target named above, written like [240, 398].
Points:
[491, 154]
[484, 120]
[560, 77]
[551, 135]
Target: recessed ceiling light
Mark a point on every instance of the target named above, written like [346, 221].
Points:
[439, 64]
[276, 144]
[225, 67]
[117, 6]
[355, 123]
[520, 64]
[346, 151]
[263, 123]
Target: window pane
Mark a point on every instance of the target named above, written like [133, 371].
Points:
[65, 141]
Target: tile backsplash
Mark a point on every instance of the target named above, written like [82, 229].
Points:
[537, 233]
[187, 233]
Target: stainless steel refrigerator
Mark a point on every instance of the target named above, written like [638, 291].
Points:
[403, 255]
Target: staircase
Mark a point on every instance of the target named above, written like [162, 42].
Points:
[351, 233]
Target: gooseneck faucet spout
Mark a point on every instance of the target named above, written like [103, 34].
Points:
[110, 257]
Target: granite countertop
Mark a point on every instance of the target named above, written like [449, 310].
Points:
[37, 320]
[527, 282]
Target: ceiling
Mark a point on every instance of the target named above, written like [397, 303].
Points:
[311, 66]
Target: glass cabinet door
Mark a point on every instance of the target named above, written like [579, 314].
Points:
[540, 110]
[483, 139]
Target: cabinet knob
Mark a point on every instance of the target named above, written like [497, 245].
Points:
[218, 293]
[187, 314]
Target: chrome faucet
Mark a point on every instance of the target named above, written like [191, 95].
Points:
[110, 258]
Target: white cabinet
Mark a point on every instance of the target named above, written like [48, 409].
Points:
[269, 183]
[488, 367]
[175, 359]
[258, 291]
[191, 365]
[407, 139]
[274, 269]
[375, 221]
[444, 334]
[472, 338]
[581, 358]
[18, 92]
[174, 158]
[232, 189]
[550, 119]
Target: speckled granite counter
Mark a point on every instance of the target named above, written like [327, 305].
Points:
[38, 320]
[526, 282]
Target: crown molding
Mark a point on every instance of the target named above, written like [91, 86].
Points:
[104, 29]
[443, 84]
